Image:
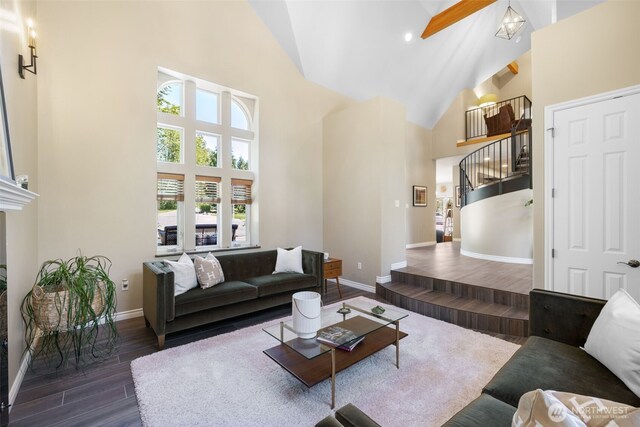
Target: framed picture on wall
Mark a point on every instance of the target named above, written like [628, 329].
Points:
[6, 162]
[458, 197]
[420, 197]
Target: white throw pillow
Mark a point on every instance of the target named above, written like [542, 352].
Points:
[289, 261]
[614, 339]
[560, 409]
[209, 271]
[184, 274]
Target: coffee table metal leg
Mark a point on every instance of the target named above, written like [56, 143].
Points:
[397, 344]
[333, 378]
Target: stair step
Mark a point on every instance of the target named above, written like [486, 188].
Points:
[461, 290]
[452, 301]
[465, 312]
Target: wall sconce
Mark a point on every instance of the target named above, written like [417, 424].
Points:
[32, 48]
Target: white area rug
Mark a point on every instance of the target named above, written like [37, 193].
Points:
[226, 380]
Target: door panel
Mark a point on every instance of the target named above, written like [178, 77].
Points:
[596, 212]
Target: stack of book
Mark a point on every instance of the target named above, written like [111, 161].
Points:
[339, 337]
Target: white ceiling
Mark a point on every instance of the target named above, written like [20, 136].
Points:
[357, 47]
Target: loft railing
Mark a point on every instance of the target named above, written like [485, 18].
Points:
[497, 168]
[476, 120]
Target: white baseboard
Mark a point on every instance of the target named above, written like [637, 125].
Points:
[17, 382]
[397, 265]
[129, 314]
[419, 245]
[383, 279]
[356, 285]
[511, 260]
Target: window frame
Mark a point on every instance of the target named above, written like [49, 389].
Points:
[225, 133]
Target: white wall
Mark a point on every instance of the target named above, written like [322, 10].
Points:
[22, 226]
[97, 119]
[499, 226]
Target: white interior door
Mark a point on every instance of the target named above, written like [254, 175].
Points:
[596, 207]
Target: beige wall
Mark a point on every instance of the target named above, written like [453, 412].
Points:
[511, 86]
[22, 226]
[392, 175]
[572, 60]
[420, 170]
[97, 118]
[364, 176]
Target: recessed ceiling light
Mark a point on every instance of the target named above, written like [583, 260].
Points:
[408, 37]
[487, 158]
[504, 166]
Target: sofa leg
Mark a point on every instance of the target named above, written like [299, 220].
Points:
[146, 323]
[160, 342]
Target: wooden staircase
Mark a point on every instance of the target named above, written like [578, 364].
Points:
[475, 307]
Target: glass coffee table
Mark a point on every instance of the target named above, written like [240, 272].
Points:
[312, 361]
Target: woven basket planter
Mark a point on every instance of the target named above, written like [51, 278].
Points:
[53, 312]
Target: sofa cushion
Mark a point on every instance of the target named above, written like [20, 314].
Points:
[226, 293]
[482, 412]
[545, 364]
[276, 283]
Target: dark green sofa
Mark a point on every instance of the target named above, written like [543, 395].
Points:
[249, 286]
[550, 360]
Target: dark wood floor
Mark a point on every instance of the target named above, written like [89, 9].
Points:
[102, 394]
[443, 261]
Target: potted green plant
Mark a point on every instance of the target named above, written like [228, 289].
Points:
[70, 309]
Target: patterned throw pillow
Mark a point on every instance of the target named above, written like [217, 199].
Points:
[209, 271]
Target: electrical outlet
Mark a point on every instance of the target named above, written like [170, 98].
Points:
[359, 266]
[125, 284]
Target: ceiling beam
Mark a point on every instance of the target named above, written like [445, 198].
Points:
[455, 13]
[513, 67]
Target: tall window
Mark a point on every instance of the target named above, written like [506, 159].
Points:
[206, 157]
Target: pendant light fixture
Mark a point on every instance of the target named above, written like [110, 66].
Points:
[511, 23]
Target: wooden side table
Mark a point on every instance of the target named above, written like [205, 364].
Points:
[333, 270]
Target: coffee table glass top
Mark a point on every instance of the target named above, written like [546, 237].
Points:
[359, 319]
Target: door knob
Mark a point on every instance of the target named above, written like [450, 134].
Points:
[633, 263]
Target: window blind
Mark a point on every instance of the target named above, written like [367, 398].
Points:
[170, 187]
[207, 189]
[241, 191]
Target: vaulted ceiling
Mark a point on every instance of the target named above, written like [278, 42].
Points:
[358, 47]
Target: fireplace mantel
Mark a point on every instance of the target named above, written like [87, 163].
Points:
[14, 198]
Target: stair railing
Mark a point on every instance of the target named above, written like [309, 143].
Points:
[497, 168]
[475, 125]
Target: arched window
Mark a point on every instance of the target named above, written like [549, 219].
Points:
[239, 117]
[170, 98]
[206, 137]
